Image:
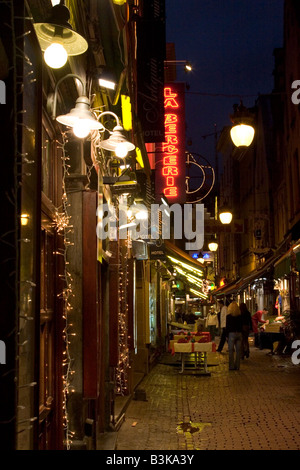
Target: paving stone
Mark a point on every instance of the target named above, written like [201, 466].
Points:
[257, 407]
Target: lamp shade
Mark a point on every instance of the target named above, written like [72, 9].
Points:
[81, 118]
[213, 245]
[225, 216]
[242, 135]
[118, 143]
[57, 30]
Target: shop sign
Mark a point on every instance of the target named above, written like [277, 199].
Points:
[151, 55]
[157, 252]
[170, 157]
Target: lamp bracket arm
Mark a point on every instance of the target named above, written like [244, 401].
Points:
[112, 114]
[56, 90]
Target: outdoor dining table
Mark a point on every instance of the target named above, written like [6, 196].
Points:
[196, 349]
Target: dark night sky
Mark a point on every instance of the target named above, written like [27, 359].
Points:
[230, 44]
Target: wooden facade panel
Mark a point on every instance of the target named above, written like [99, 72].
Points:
[91, 366]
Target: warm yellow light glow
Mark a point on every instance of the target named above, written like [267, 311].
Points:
[82, 128]
[242, 135]
[56, 56]
[107, 84]
[200, 294]
[119, 2]
[24, 219]
[121, 150]
[139, 157]
[186, 266]
[225, 217]
[213, 246]
[126, 112]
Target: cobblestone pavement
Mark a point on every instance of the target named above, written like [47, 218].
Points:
[255, 408]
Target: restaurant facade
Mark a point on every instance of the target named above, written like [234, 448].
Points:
[84, 313]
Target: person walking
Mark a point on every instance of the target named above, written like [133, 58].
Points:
[246, 328]
[257, 318]
[234, 335]
[212, 323]
[223, 315]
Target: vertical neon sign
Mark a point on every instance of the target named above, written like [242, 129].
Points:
[170, 164]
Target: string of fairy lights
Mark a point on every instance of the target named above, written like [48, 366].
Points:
[65, 228]
[121, 373]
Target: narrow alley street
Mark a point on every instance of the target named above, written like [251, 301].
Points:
[255, 408]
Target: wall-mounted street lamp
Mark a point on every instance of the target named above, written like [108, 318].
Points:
[83, 121]
[242, 133]
[116, 142]
[80, 119]
[57, 38]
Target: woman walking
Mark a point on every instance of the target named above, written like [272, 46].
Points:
[234, 335]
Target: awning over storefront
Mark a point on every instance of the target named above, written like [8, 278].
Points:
[189, 270]
[230, 288]
[256, 274]
[296, 250]
[176, 253]
[239, 285]
[282, 267]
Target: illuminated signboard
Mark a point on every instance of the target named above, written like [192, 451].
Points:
[170, 160]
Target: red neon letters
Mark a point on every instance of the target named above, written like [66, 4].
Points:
[170, 164]
[170, 146]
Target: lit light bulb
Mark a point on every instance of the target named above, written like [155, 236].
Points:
[55, 56]
[25, 219]
[81, 128]
[242, 135]
[121, 150]
[225, 217]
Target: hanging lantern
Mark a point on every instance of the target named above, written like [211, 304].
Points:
[225, 215]
[242, 133]
[213, 245]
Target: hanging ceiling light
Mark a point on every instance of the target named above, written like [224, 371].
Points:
[57, 38]
[242, 133]
[80, 118]
[116, 142]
